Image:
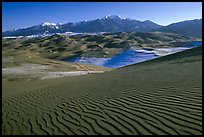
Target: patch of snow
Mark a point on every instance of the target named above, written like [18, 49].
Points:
[48, 24]
[167, 51]
[107, 16]
[12, 37]
[95, 61]
[161, 51]
[112, 17]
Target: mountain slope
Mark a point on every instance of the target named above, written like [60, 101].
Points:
[188, 28]
[44, 28]
[113, 23]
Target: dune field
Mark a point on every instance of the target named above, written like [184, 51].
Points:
[157, 97]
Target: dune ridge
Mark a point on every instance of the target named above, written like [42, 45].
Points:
[144, 99]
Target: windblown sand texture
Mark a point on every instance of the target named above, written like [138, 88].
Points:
[163, 96]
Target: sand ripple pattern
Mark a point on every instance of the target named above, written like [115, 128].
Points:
[160, 112]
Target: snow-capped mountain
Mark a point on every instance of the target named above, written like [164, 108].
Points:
[47, 24]
[112, 17]
[110, 23]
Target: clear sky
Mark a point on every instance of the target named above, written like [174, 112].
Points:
[26, 14]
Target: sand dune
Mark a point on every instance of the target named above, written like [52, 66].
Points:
[146, 99]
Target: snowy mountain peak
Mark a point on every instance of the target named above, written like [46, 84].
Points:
[112, 17]
[48, 24]
[110, 23]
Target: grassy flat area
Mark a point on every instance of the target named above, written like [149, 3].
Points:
[162, 96]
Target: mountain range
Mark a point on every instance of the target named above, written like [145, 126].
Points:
[111, 23]
[188, 28]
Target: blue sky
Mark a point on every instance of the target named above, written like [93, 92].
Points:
[26, 14]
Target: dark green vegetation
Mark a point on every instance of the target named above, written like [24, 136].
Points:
[60, 47]
[163, 96]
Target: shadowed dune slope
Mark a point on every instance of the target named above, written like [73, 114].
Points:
[163, 96]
